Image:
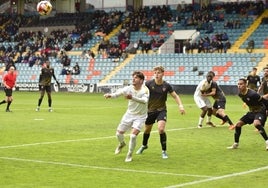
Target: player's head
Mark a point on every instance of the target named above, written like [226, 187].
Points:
[137, 78]
[11, 69]
[242, 84]
[265, 71]
[159, 68]
[210, 75]
[158, 72]
[47, 64]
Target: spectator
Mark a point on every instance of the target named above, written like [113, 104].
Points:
[76, 69]
[250, 46]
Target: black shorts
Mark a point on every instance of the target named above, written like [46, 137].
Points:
[156, 116]
[8, 92]
[249, 117]
[45, 88]
[219, 104]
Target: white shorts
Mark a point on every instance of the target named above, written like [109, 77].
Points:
[129, 121]
[202, 101]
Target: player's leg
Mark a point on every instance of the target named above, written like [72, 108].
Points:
[9, 101]
[49, 98]
[147, 131]
[5, 100]
[246, 119]
[163, 137]
[259, 124]
[124, 125]
[42, 93]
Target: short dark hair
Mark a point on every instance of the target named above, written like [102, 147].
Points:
[139, 74]
[243, 79]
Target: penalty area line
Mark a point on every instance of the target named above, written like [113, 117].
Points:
[99, 167]
[219, 177]
[78, 140]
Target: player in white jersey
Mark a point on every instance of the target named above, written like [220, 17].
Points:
[203, 101]
[136, 114]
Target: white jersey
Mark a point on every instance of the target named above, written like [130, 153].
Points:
[139, 102]
[202, 101]
[202, 87]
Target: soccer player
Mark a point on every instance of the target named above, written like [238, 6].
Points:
[157, 109]
[219, 102]
[256, 115]
[46, 74]
[253, 79]
[9, 81]
[202, 101]
[264, 84]
[134, 118]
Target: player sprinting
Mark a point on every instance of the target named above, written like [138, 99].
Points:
[9, 81]
[134, 118]
[45, 77]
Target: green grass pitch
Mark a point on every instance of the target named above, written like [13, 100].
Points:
[73, 147]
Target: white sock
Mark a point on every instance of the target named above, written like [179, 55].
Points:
[200, 121]
[209, 119]
[132, 143]
[120, 137]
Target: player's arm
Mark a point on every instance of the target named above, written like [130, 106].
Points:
[5, 83]
[260, 88]
[212, 93]
[53, 75]
[178, 101]
[143, 99]
[116, 94]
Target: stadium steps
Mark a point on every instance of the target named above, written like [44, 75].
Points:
[263, 63]
[117, 69]
[249, 31]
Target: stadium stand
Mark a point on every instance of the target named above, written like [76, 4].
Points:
[181, 68]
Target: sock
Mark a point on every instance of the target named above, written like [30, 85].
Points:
[262, 131]
[49, 102]
[2, 102]
[40, 101]
[145, 139]
[163, 141]
[237, 134]
[120, 137]
[8, 104]
[132, 143]
[200, 121]
[227, 119]
[220, 117]
[208, 118]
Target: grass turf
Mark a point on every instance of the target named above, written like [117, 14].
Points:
[74, 147]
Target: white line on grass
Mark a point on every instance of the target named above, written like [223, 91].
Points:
[219, 177]
[77, 140]
[99, 167]
[55, 142]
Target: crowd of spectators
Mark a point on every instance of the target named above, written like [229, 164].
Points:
[145, 19]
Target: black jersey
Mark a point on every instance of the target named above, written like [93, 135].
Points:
[253, 100]
[253, 81]
[158, 95]
[265, 85]
[45, 76]
[219, 93]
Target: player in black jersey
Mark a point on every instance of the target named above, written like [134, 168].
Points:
[45, 77]
[157, 109]
[219, 102]
[256, 114]
[264, 83]
[253, 79]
